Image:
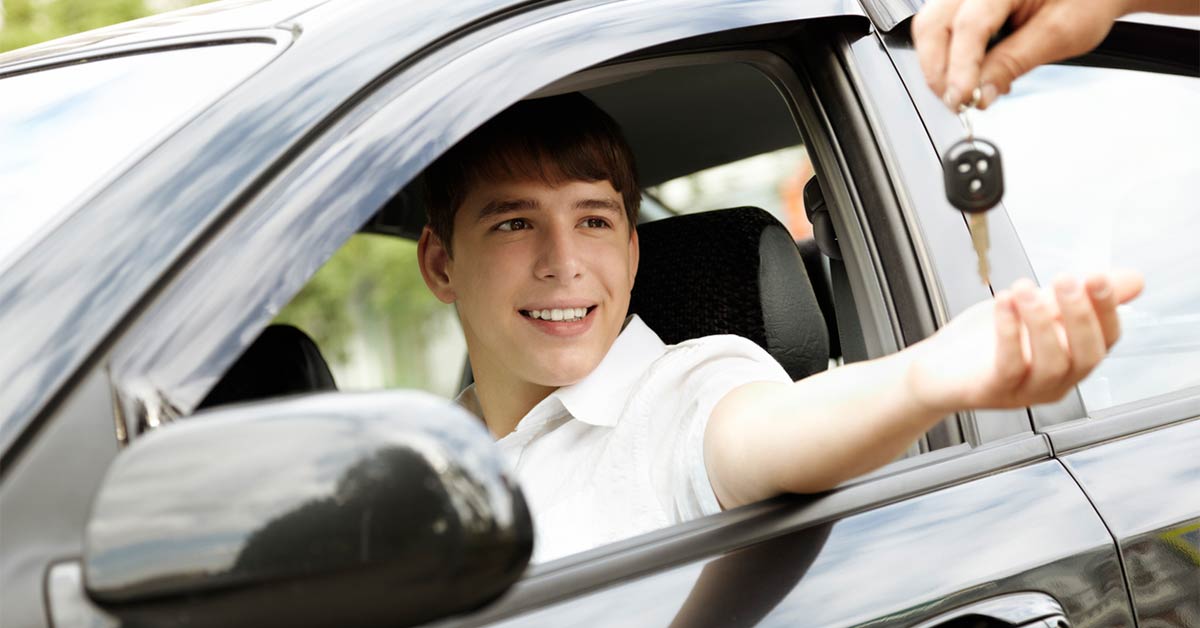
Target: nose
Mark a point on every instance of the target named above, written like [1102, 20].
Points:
[560, 257]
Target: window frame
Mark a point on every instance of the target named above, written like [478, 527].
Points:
[171, 356]
[301, 190]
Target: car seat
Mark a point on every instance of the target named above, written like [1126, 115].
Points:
[282, 361]
[732, 271]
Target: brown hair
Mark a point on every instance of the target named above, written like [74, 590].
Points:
[553, 140]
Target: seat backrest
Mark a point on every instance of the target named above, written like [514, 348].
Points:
[732, 271]
[282, 361]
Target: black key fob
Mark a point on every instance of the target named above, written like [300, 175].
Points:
[973, 174]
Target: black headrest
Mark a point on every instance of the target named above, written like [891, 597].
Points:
[733, 271]
[283, 360]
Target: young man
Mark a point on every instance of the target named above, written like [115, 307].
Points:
[612, 433]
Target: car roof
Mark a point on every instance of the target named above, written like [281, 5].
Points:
[217, 17]
[226, 16]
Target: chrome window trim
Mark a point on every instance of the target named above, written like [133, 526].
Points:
[1126, 420]
[272, 36]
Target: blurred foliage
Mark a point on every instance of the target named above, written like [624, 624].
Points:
[27, 22]
[371, 291]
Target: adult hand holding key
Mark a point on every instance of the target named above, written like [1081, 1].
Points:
[951, 38]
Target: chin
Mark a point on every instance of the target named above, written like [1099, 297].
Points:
[565, 373]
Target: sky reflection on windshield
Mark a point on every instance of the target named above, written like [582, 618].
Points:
[63, 130]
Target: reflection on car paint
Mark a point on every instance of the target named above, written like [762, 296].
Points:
[1027, 529]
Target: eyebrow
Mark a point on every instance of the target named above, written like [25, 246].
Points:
[598, 203]
[507, 206]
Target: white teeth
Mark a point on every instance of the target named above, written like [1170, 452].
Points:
[565, 314]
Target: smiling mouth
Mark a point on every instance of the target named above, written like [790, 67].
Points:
[559, 315]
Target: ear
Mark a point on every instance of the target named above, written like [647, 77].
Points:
[436, 265]
[635, 254]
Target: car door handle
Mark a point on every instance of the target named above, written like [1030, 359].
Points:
[1019, 610]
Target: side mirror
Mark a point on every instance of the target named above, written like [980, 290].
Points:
[337, 509]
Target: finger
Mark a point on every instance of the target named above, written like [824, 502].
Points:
[931, 37]
[1104, 302]
[1010, 358]
[1034, 44]
[1127, 284]
[1053, 33]
[1084, 337]
[1049, 363]
[973, 25]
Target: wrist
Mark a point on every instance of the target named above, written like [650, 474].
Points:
[927, 395]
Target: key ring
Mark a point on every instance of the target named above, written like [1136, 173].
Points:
[976, 95]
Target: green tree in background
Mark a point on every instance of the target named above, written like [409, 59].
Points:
[27, 22]
[369, 302]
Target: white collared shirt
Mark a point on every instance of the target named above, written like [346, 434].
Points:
[621, 452]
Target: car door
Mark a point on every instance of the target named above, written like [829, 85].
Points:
[988, 524]
[1118, 190]
[961, 533]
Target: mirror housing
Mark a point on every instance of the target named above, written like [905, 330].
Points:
[369, 509]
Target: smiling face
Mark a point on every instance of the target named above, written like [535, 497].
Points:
[541, 276]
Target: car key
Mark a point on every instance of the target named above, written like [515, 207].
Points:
[974, 179]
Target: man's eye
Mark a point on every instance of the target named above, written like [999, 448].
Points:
[514, 224]
[596, 223]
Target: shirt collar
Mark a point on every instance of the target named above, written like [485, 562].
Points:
[599, 398]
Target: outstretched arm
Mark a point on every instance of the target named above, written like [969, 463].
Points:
[1026, 347]
[951, 38]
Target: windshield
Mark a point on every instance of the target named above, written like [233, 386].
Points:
[67, 130]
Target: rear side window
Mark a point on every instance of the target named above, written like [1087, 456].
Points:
[64, 130]
[1101, 172]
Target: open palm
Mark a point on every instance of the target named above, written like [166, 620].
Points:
[1027, 346]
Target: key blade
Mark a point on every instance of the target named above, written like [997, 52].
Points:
[977, 223]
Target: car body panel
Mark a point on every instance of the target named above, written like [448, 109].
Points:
[167, 273]
[1147, 489]
[217, 18]
[45, 500]
[1021, 530]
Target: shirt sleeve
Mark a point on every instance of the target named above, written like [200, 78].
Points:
[707, 370]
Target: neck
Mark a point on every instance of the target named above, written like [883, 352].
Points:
[504, 399]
